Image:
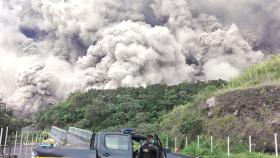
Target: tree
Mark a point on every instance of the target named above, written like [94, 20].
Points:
[96, 113]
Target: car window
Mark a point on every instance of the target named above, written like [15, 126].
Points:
[117, 142]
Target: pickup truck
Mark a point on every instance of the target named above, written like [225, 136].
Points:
[106, 145]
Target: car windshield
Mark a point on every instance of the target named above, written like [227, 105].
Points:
[118, 142]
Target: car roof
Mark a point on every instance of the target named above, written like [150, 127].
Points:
[118, 133]
[136, 137]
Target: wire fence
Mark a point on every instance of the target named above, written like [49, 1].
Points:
[21, 144]
[173, 144]
[18, 144]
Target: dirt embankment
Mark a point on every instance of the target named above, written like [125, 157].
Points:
[252, 112]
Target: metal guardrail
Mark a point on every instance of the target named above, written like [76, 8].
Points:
[81, 133]
[59, 135]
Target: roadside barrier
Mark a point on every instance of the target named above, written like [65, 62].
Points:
[81, 133]
[59, 135]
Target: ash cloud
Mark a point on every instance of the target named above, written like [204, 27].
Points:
[135, 54]
[82, 44]
[258, 19]
[36, 88]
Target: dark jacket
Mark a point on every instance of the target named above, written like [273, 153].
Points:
[149, 150]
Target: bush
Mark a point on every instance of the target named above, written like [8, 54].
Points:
[123, 107]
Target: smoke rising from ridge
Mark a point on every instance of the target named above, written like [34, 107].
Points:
[51, 48]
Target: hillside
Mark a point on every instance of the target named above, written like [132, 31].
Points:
[251, 112]
[247, 105]
[140, 108]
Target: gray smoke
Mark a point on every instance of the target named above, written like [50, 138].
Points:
[135, 54]
[78, 45]
[36, 87]
[257, 18]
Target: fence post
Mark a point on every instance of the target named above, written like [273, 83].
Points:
[198, 141]
[26, 142]
[32, 141]
[250, 144]
[1, 134]
[186, 142]
[228, 146]
[211, 143]
[175, 145]
[5, 143]
[167, 142]
[276, 144]
[36, 139]
[15, 146]
[20, 145]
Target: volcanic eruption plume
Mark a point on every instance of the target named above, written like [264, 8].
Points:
[50, 48]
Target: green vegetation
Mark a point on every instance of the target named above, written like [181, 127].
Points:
[7, 118]
[5, 115]
[238, 149]
[222, 154]
[259, 74]
[140, 108]
[220, 150]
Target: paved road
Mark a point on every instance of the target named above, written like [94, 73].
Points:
[74, 142]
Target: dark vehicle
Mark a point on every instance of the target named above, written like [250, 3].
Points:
[108, 145]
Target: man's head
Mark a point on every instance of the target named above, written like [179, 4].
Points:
[151, 139]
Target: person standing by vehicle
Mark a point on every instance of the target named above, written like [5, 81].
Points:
[150, 149]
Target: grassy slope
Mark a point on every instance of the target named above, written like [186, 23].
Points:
[265, 73]
[257, 75]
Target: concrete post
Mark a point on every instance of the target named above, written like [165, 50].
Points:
[276, 144]
[1, 135]
[228, 146]
[20, 145]
[250, 144]
[211, 144]
[167, 142]
[198, 137]
[6, 137]
[15, 146]
[175, 145]
[26, 143]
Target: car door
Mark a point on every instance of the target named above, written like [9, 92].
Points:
[116, 146]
